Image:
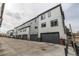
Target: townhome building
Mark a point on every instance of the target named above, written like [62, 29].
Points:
[48, 26]
[10, 33]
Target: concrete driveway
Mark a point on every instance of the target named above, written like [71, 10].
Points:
[17, 47]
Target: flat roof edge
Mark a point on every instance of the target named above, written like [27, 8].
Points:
[40, 14]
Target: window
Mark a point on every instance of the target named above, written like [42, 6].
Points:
[43, 24]
[49, 14]
[42, 16]
[54, 23]
[35, 20]
[36, 27]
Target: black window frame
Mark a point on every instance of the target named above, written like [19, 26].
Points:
[54, 23]
[43, 24]
[36, 27]
[20, 30]
[42, 16]
[49, 14]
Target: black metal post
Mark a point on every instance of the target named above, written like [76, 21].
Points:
[66, 48]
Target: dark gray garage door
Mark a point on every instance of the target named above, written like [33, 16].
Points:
[34, 37]
[24, 37]
[50, 37]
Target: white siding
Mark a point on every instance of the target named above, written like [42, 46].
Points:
[24, 32]
[55, 14]
[22, 26]
[32, 28]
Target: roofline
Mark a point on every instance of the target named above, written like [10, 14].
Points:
[40, 14]
[24, 27]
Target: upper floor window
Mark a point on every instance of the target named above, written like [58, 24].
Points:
[36, 27]
[54, 23]
[42, 16]
[20, 30]
[49, 14]
[43, 24]
[35, 20]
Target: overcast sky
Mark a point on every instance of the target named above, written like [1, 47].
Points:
[18, 13]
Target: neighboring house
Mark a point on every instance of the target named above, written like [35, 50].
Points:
[1, 12]
[48, 26]
[11, 33]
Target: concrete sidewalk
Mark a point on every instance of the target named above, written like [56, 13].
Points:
[16, 47]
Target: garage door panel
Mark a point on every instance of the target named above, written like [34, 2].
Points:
[50, 37]
[34, 37]
[24, 37]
